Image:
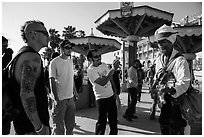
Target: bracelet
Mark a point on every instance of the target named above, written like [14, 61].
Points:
[37, 131]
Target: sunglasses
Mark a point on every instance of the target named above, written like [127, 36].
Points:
[162, 41]
[4, 45]
[97, 56]
[43, 32]
[67, 48]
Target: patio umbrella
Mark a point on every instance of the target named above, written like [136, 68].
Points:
[103, 45]
[189, 39]
[143, 21]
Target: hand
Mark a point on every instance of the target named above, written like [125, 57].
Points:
[116, 64]
[170, 91]
[56, 102]
[76, 97]
[114, 94]
[50, 102]
[44, 131]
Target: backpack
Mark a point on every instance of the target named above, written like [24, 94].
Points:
[191, 105]
[9, 112]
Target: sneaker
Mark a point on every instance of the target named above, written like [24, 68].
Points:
[126, 117]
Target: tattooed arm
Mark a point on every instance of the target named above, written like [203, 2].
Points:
[31, 67]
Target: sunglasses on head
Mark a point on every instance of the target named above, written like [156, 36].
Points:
[43, 32]
[97, 56]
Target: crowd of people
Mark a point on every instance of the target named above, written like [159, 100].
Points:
[57, 88]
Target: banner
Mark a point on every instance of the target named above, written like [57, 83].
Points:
[126, 8]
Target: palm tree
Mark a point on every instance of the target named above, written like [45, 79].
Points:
[80, 33]
[54, 38]
[69, 32]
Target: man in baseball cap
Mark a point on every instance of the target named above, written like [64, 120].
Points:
[117, 61]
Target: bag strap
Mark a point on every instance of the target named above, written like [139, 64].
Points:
[170, 65]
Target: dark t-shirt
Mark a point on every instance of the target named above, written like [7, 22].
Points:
[141, 76]
[116, 80]
[7, 57]
[22, 123]
[78, 80]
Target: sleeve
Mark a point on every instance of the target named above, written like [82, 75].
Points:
[182, 75]
[92, 75]
[157, 67]
[72, 66]
[52, 69]
[6, 59]
[106, 68]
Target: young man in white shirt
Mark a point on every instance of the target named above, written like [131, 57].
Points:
[132, 86]
[61, 74]
[100, 77]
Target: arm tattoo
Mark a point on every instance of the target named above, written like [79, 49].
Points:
[31, 107]
[37, 60]
[28, 80]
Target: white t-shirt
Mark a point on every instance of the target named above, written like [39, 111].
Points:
[63, 72]
[95, 72]
[132, 80]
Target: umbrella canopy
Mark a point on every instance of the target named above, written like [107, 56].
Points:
[103, 45]
[189, 39]
[143, 21]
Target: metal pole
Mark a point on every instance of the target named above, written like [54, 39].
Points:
[123, 65]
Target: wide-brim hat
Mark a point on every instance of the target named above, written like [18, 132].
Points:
[164, 32]
[162, 36]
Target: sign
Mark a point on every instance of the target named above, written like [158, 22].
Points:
[126, 8]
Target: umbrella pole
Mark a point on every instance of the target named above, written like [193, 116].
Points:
[132, 56]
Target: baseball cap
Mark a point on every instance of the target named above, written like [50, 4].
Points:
[66, 42]
[116, 61]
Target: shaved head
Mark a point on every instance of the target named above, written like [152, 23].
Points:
[33, 26]
[30, 26]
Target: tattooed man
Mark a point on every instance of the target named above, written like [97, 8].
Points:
[30, 96]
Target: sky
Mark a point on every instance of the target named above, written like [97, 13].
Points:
[81, 15]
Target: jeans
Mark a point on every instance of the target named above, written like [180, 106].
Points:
[139, 92]
[64, 116]
[133, 101]
[153, 108]
[107, 108]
